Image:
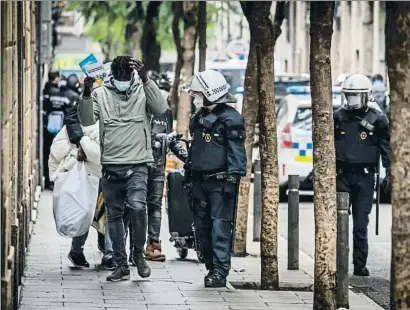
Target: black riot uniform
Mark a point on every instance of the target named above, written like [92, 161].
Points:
[55, 99]
[161, 126]
[217, 160]
[50, 89]
[361, 136]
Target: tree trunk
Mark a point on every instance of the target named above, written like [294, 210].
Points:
[188, 56]
[250, 111]
[321, 29]
[150, 47]
[398, 62]
[133, 30]
[178, 11]
[202, 35]
[262, 35]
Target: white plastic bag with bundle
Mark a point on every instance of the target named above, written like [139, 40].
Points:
[74, 198]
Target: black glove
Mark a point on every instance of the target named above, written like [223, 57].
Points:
[387, 181]
[88, 86]
[135, 64]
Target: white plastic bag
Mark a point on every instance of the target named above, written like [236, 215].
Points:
[74, 198]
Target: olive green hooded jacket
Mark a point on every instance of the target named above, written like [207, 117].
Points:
[125, 132]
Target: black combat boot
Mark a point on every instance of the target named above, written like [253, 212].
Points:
[215, 280]
[361, 271]
[144, 270]
[210, 273]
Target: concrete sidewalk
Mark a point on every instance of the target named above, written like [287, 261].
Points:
[50, 282]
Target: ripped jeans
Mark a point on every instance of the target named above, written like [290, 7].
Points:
[126, 198]
[155, 187]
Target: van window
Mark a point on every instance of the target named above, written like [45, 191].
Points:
[303, 119]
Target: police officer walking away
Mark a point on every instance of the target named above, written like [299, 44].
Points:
[56, 101]
[361, 136]
[216, 163]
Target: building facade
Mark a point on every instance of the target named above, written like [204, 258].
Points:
[357, 43]
[25, 53]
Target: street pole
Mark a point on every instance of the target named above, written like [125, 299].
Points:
[257, 201]
[293, 222]
[342, 260]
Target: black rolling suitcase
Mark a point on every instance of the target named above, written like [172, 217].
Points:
[179, 213]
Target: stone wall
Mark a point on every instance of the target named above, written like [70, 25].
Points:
[18, 162]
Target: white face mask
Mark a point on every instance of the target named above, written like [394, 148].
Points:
[121, 85]
[198, 102]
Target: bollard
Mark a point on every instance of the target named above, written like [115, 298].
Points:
[293, 222]
[257, 202]
[342, 250]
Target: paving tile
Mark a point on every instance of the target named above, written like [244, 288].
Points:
[51, 283]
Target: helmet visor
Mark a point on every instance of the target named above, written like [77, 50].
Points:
[354, 101]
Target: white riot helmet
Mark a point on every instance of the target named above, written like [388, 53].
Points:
[208, 87]
[356, 92]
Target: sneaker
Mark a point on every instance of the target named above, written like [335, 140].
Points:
[153, 252]
[215, 280]
[144, 270]
[108, 263]
[78, 260]
[121, 273]
[361, 271]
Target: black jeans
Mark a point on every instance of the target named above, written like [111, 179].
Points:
[213, 219]
[126, 199]
[360, 187]
[155, 187]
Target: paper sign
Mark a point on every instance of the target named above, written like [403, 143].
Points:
[92, 67]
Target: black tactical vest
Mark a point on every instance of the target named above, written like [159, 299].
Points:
[208, 148]
[356, 142]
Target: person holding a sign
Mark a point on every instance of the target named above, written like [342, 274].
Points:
[122, 105]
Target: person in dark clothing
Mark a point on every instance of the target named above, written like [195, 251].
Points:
[216, 163]
[122, 107]
[162, 138]
[51, 88]
[73, 83]
[361, 137]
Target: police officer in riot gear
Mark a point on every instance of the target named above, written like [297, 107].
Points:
[73, 83]
[216, 163]
[361, 136]
[56, 101]
[68, 89]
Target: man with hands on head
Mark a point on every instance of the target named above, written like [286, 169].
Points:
[122, 106]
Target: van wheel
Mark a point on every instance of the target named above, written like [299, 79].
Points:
[282, 194]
